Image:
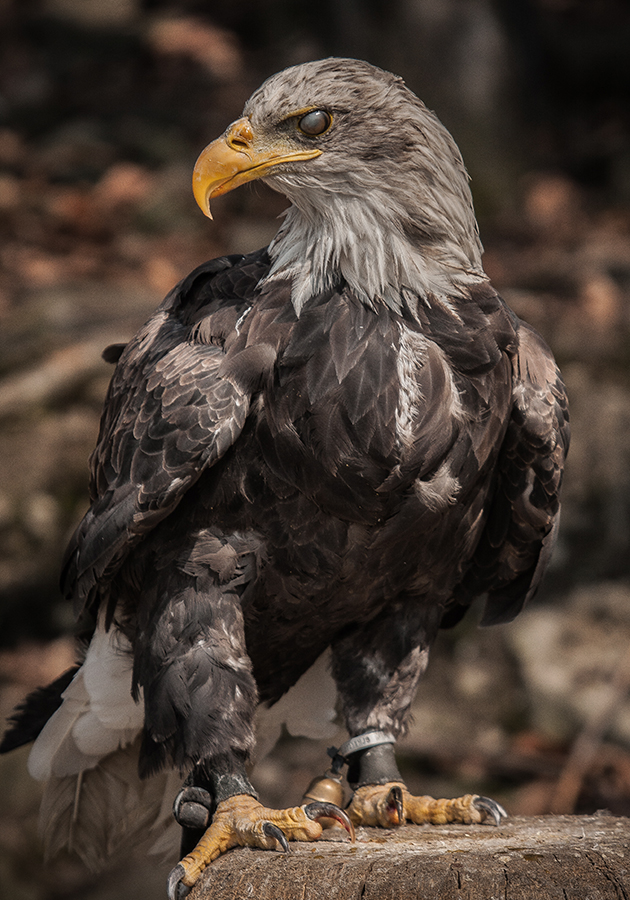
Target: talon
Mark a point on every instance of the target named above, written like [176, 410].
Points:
[175, 888]
[321, 810]
[273, 831]
[494, 809]
[395, 805]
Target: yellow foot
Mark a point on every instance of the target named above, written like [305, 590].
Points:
[242, 821]
[392, 804]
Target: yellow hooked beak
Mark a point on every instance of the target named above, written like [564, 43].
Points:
[237, 157]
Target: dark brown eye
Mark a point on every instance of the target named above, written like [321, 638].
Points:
[316, 122]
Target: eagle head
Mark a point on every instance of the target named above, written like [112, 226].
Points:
[379, 192]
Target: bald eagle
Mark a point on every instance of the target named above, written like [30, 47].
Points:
[333, 444]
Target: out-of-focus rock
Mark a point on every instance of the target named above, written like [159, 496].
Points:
[469, 699]
[569, 656]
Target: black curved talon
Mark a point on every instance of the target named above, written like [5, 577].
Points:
[193, 807]
[320, 810]
[395, 801]
[273, 831]
[494, 809]
[175, 888]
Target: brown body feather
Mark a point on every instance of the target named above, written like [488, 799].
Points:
[296, 483]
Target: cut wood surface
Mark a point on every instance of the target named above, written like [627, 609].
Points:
[542, 858]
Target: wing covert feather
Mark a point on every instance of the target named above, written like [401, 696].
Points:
[523, 519]
[170, 413]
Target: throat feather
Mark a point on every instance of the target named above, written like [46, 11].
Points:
[373, 254]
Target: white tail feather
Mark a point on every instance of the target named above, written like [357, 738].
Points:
[94, 802]
[107, 808]
[98, 714]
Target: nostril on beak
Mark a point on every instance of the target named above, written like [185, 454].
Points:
[240, 135]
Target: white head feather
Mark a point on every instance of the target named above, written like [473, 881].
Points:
[386, 206]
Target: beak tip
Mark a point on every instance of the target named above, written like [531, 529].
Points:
[202, 199]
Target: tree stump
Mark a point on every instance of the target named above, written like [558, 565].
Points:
[542, 858]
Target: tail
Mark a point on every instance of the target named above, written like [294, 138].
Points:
[98, 714]
[100, 811]
[87, 730]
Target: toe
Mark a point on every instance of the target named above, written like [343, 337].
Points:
[471, 809]
[192, 807]
[378, 805]
[392, 804]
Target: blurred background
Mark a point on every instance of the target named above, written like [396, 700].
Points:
[104, 106]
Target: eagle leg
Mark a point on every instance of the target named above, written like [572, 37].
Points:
[242, 821]
[377, 679]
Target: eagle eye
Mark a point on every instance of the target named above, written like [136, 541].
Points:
[315, 122]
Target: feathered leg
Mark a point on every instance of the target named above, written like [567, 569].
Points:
[200, 699]
[377, 679]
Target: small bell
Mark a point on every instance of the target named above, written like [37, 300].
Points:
[326, 788]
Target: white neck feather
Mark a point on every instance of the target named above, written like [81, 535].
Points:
[365, 245]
